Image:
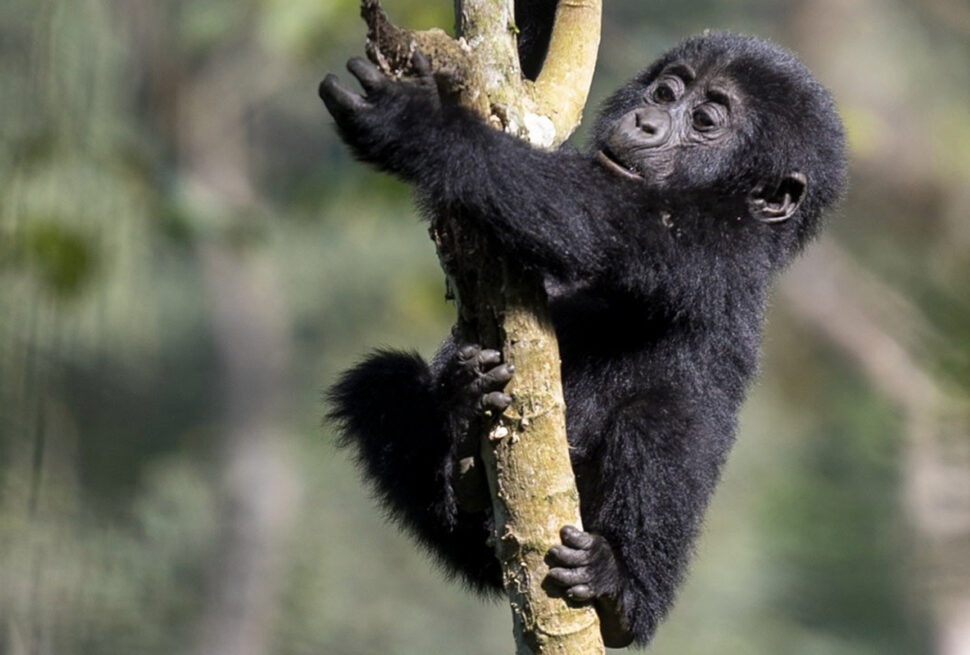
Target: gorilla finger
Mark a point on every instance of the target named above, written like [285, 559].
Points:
[565, 556]
[369, 75]
[339, 100]
[422, 67]
[446, 82]
[576, 538]
[496, 401]
[581, 592]
[569, 577]
[489, 357]
[469, 351]
[498, 377]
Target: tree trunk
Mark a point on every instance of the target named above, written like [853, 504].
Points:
[501, 305]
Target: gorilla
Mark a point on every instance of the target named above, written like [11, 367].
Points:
[708, 172]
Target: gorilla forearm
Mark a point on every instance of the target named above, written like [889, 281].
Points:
[551, 209]
[522, 197]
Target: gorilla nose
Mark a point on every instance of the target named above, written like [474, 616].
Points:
[653, 123]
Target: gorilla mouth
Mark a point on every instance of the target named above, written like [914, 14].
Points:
[613, 164]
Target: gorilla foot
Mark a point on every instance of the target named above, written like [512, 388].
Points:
[487, 376]
[584, 566]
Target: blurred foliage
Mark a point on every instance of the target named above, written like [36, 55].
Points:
[110, 376]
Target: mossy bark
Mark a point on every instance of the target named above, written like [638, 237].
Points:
[502, 305]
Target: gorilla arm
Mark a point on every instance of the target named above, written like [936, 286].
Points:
[552, 210]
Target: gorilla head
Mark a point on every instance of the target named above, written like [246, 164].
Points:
[731, 115]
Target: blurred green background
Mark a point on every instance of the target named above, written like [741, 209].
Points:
[188, 256]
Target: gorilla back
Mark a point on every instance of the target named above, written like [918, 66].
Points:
[708, 172]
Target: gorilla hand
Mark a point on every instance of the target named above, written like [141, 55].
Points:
[392, 121]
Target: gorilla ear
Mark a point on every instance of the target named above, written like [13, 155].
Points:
[774, 204]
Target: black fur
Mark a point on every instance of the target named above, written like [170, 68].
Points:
[657, 295]
[533, 19]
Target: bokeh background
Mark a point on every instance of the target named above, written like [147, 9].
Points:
[188, 257]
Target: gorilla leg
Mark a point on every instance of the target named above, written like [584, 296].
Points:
[385, 407]
[399, 418]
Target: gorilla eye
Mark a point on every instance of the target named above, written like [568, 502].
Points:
[667, 90]
[707, 117]
[664, 94]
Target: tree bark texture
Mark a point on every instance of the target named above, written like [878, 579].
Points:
[501, 305]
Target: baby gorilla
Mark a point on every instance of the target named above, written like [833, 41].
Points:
[708, 173]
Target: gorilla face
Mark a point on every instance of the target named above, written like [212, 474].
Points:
[686, 121]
